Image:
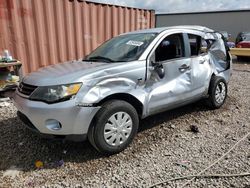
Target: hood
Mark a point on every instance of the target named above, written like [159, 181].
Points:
[63, 73]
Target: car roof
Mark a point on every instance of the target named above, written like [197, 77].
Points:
[161, 29]
[244, 33]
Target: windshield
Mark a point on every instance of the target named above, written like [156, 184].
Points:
[123, 48]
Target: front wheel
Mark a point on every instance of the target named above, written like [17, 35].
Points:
[217, 92]
[114, 127]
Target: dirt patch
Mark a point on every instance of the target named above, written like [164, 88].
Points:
[164, 148]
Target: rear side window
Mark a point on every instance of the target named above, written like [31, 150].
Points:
[172, 47]
[197, 45]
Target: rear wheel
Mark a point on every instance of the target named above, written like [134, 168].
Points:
[217, 92]
[114, 127]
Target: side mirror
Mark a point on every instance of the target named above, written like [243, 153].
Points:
[156, 64]
[158, 68]
[160, 71]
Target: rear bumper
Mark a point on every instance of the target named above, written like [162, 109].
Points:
[41, 117]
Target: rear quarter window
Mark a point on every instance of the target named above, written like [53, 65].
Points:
[197, 44]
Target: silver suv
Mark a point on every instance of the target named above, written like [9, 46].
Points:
[128, 78]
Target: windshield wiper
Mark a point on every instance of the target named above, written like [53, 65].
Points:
[96, 58]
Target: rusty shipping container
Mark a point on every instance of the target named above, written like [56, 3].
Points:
[45, 32]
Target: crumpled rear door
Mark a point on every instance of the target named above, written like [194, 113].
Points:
[219, 55]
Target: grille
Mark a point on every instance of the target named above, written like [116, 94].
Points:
[26, 89]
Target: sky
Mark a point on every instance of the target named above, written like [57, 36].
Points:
[171, 6]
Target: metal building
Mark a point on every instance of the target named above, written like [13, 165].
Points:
[45, 32]
[231, 21]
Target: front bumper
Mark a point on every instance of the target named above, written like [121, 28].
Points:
[73, 120]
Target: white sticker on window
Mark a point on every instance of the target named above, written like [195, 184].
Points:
[134, 43]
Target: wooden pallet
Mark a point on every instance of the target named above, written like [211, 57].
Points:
[240, 51]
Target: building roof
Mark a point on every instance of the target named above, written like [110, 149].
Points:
[204, 12]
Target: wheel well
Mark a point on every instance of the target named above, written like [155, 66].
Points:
[213, 75]
[125, 97]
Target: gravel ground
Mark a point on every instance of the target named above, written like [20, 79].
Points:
[164, 148]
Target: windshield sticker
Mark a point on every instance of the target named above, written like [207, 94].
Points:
[134, 43]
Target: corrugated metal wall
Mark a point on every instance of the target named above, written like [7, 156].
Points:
[45, 32]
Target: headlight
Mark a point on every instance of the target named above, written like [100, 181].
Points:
[53, 94]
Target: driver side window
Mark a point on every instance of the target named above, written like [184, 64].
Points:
[171, 47]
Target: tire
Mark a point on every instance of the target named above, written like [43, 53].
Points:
[109, 135]
[217, 92]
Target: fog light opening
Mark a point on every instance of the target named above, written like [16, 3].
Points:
[53, 125]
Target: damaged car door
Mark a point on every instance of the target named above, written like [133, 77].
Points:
[199, 58]
[170, 74]
[219, 54]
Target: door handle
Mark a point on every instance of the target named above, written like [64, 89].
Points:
[184, 67]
